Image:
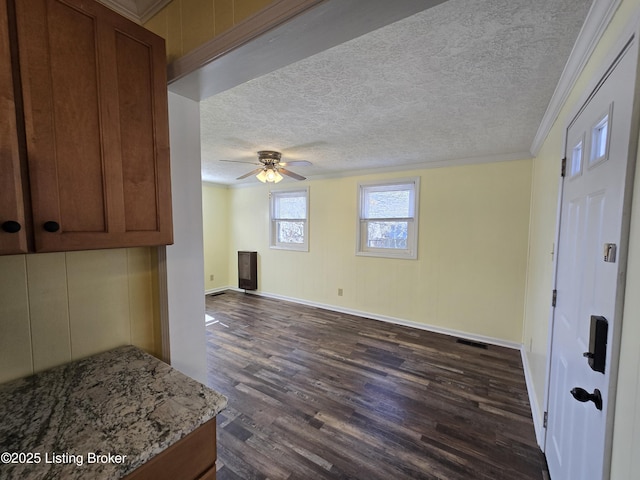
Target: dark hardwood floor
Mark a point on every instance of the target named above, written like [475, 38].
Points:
[315, 394]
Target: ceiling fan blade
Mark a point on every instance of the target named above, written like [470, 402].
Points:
[291, 174]
[300, 163]
[253, 172]
[238, 161]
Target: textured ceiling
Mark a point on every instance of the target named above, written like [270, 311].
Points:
[465, 79]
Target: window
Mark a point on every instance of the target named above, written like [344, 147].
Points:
[600, 140]
[289, 226]
[388, 219]
[576, 160]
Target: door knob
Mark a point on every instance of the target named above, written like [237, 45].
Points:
[11, 227]
[582, 395]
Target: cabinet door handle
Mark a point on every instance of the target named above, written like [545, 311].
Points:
[11, 227]
[51, 227]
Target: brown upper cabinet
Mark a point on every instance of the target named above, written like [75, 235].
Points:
[92, 105]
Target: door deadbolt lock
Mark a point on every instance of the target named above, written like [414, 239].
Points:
[597, 354]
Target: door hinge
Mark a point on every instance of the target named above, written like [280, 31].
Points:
[563, 169]
[554, 298]
[545, 419]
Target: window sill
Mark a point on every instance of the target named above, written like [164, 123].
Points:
[302, 248]
[400, 256]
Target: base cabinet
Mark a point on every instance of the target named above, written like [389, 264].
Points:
[192, 458]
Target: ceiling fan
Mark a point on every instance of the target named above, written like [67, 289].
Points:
[271, 169]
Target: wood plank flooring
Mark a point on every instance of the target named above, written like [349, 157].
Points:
[315, 394]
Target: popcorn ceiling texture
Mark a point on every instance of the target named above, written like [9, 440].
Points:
[464, 79]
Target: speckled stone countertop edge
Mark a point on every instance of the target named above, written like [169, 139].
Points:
[121, 402]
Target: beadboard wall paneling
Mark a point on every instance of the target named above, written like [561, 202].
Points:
[57, 307]
[187, 24]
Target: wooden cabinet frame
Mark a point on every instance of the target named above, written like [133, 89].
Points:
[12, 201]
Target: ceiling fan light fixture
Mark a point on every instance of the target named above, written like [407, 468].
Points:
[273, 176]
[262, 176]
[269, 175]
[271, 170]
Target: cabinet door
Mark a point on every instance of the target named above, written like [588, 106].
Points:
[95, 106]
[11, 201]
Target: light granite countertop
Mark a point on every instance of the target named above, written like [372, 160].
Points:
[98, 418]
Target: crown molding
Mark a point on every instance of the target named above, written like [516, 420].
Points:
[393, 169]
[140, 11]
[595, 24]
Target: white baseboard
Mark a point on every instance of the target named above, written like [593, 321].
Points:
[217, 290]
[538, 423]
[383, 318]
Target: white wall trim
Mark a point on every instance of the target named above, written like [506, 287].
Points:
[216, 185]
[140, 11]
[459, 162]
[623, 41]
[218, 290]
[538, 423]
[383, 318]
[595, 24]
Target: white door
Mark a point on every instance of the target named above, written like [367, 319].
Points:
[591, 216]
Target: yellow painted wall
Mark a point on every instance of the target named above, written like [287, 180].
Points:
[58, 307]
[470, 272]
[625, 462]
[187, 24]
[626, 442]
[215, 213]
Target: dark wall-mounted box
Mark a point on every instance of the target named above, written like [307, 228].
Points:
[248, 270]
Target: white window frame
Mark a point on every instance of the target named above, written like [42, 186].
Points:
[274, 195]
[411, 252]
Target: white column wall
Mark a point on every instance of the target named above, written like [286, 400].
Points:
[182, 263]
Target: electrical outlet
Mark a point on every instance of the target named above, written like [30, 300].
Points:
[339, 292]
[211, 277]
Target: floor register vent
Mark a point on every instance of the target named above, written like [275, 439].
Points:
[471, 343]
